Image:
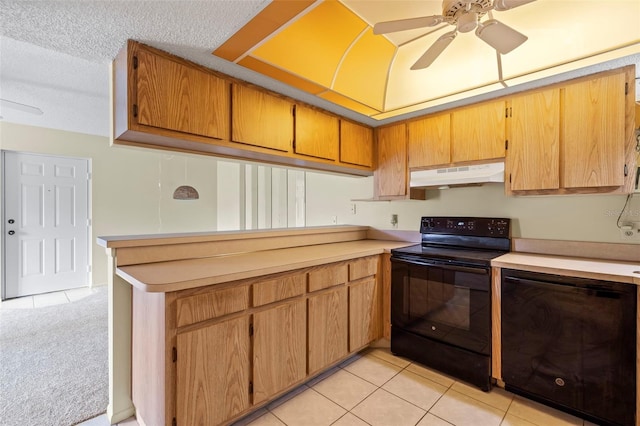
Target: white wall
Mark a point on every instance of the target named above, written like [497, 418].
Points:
[132, 188]
[575, 217]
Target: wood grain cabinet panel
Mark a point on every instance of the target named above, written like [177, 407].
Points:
[362, 268]
[364, 313]
[327, 328]
[356, 144]
[391, 173]
[429, 141]
[316, 134]
[171, 95]
[279, 349]
[327, 276]
[478, 132]
[212, 304]
[260, 119]
[593, 132]
[212, 379]
[533, 155]
[273, 290]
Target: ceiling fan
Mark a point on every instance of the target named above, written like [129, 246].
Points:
[465, 15]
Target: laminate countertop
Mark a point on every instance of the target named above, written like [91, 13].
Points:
[608, 270]
[191, 273]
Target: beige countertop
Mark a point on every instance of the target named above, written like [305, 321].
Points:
[191, 273]
[627, 272]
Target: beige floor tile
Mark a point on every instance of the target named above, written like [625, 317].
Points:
[311, 383]
[131, 421]
[431, 420]
[267, 419]
[432, 375]
[79, 293]
[416, 389]
[498, 398]
[251, 417]
[373, 369]
[345, 389]
[462, 410]
[384, 409]
[17, 303]
[351, 359]
[308, 409]
[350, 420]
[541, 414]
[49, 299]
[386, 355]
[511, 420]
[286, 397]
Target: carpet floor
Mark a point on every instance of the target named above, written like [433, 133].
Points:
[54, 363]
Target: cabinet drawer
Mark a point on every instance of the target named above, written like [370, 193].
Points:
[327, 276]
[364, 267]
[277, 289]
[213, 304]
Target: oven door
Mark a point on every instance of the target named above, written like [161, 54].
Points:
[443, 301]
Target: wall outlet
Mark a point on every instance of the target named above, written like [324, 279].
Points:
[334, 220]
[394, 220]
[630, 232]
[353, 208]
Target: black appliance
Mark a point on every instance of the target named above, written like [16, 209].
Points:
[571, 343]
[441, 295]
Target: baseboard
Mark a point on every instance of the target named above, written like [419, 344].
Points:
[119, 416]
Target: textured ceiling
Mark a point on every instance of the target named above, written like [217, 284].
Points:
[55, 54]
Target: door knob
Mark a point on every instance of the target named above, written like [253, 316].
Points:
[12, 232]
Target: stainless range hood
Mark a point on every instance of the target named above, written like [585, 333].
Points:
[462, 175]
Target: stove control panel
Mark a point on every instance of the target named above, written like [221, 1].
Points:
[471, 226]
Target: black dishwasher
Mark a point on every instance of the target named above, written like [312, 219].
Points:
[571, 343]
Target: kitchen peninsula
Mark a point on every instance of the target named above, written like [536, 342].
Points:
[288, 303]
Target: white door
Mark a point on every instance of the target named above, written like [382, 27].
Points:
[46, 223]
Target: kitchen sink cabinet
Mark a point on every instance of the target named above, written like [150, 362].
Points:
[391, 174]
[478, 132]
[327, 328]
[261, 119]
[212, 378]
[356, 144]
[317, 134]
[429, 141]
[573, 138]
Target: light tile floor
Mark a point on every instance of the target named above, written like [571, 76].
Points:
[49, 299]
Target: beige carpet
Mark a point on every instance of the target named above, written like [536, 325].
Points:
[53, 363]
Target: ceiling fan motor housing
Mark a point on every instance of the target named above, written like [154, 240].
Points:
[455, 10]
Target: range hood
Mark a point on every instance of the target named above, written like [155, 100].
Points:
[462, 175]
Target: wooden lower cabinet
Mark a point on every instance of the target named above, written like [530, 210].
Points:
[328, 313]
[209, 355]
[279, 349]
[212, 378]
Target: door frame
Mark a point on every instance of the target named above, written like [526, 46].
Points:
[3, 227]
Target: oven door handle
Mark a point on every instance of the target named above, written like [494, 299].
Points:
[459, 268]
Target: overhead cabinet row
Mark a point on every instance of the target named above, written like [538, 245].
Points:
[165, 102]
[574, 137]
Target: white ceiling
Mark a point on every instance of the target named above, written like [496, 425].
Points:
[55, 54]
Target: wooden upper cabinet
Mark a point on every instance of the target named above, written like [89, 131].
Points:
[356, 144]
[391, 173]
[429, 141]
[593, 132]
[316, 134]
[261, 119]
[533, 155]
[175, 96]
[478, 132]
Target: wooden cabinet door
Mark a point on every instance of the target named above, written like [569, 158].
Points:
[429, 141]
[391, 173]
[279, 349]
[533, 156]
[174, 96]
[478, 132]
[364, 313]
[212, 383]
[261, 119]
[593, 133]
[316, 134]
[356, 144]
[327, 328]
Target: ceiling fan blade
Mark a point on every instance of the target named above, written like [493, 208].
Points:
[406, 24]
[500, 36]
[501, 5]
[434, 51]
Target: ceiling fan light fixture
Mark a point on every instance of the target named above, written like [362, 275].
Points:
[500, 36]
[467, 22]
